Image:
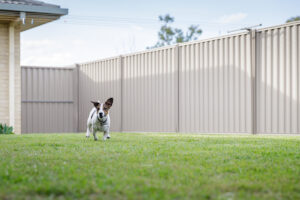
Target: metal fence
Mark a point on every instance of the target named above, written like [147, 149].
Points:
[215, 85]
[149, 91]
[278, 79]
[49, 100]
[242, 83]
[98, 81]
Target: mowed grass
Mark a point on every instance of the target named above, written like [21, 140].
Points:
[149, 166]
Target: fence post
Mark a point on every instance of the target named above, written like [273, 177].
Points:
[121, 88]
[76, 96]
[177, 66]
[253, 82]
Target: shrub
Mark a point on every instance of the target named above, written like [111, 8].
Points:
[4, 129]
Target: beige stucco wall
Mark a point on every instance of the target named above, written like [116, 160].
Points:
[4, 77]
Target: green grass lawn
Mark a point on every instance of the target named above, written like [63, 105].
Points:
[149, 166]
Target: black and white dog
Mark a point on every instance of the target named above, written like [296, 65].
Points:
[99, 119]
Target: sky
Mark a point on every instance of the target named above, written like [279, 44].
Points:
[96, 29]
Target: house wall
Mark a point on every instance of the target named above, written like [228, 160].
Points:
[4, 77]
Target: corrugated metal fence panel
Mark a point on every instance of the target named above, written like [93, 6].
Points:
[278, 80]
[41, 89]
[202, 86]
[215, 85]
[150, 91]
[100, 80]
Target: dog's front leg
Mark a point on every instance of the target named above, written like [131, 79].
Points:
[95, 134]
[106, 135]
[88, 131]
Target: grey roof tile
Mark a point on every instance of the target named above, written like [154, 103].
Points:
[28, 2]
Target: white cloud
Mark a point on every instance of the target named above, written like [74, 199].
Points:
[233, 18]
[36, 43]
[136, 27]
[62, 58]
[46, 52]
[67, 49]
[78, 42]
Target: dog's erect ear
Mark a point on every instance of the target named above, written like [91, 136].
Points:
[109, 102]
[96, 104]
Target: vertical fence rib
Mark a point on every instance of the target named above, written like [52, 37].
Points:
[253, 82]
[76, 95]
[121, 88]
[177, 68]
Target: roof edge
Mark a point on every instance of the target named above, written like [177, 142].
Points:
[36, 9]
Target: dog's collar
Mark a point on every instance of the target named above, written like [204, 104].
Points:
[101, 121]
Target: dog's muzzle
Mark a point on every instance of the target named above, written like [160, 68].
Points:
[101, 115]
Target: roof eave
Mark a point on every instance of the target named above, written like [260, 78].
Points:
[36, 9]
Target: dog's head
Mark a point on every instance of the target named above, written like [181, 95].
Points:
[103, 108]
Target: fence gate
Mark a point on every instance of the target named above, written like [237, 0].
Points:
[49, 100]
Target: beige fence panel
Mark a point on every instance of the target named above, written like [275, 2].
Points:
[150, 98]
[49, 100]
[242, 83]
[215, 85]
[100, 80]
[278, 79]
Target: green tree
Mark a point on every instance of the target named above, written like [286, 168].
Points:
[292, 19]
[168, 35]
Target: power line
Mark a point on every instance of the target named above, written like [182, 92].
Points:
[141, 20]
[112, 21]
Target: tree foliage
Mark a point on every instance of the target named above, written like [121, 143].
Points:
[292, 19]
[168, 35]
